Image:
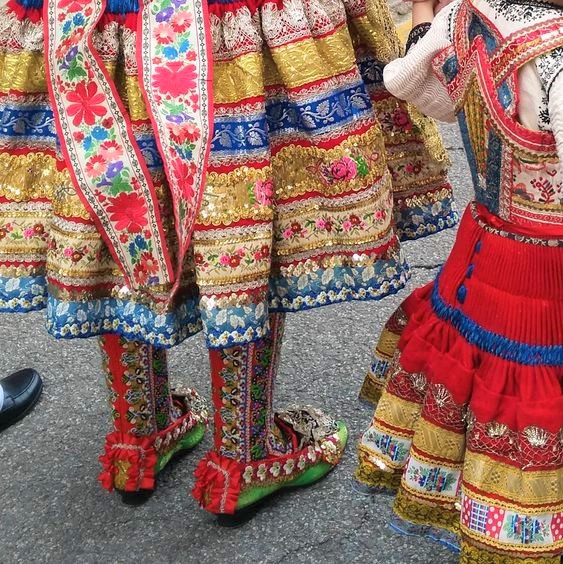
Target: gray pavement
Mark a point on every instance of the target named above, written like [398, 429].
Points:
[53, 510]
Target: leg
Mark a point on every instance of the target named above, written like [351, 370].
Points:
[150, 423]
[257, 451]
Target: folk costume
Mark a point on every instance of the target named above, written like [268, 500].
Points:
[182, 165]
[469, 424]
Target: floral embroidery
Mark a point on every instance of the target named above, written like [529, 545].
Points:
[432, 479]
[107, 165]
[17, 232]
[344, 169]
[175, 75]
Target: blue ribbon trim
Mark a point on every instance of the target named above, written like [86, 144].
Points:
[493, 343]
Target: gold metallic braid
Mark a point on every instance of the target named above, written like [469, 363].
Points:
[398, 412]
[19, 271]
[291, 162]
[538, 488]
[239, 79]
[25, 178]
[474, 107]
[310, 60]
[315, 263]
[440, 442]
[416, 511]
[476, 114]
[387, 344]
[421, 200]
[227, 197]
[430, 135]
[23, 71]
[372, 388]
[377, 31]
[474, 554]
[28, 177]
[130, 93]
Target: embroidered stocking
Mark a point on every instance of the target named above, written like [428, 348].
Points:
[242, 381]
[141, 404]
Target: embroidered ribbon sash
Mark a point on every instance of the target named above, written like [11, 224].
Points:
[97, 139]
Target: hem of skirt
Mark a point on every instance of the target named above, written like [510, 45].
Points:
[133, 334]
[19, 308]
[475, 553]
[84, 330]
[410, 232]
[218, 340]
[378, 479]
[320, 299]
[421, 513]
[371, 389]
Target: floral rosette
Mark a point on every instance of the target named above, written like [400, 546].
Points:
[218, 483]
[128, 463]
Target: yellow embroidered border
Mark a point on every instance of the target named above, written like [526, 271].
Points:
[371, 390]
[310, 60]
[399, 413]
[23, 71]
[474, 554]
[293, 65]
[439, 442]
[514, 486]
[369, 475]
[377, 31]
[239, 79]
[416, 511]
[387, 344]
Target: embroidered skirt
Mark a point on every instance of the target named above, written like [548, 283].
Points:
[297, 210]
[469, 426]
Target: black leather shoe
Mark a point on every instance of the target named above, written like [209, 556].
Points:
[21, 392]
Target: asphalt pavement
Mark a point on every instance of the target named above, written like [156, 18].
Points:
[53, 510]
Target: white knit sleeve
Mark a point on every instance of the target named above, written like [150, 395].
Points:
[412, 78]
[555, 108]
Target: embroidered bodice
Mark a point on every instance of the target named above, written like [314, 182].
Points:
[498, 66]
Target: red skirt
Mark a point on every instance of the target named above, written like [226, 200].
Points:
[469, 426]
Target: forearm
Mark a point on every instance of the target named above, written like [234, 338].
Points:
[422, 12]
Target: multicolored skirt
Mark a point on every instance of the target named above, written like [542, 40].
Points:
[469, 425]
[306, 154]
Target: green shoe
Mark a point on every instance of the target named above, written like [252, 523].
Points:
[182, 436]
[252, 499]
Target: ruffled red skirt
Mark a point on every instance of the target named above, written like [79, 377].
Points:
[469, 426]
[490, 327]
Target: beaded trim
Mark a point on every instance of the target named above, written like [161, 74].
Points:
[416, 34]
